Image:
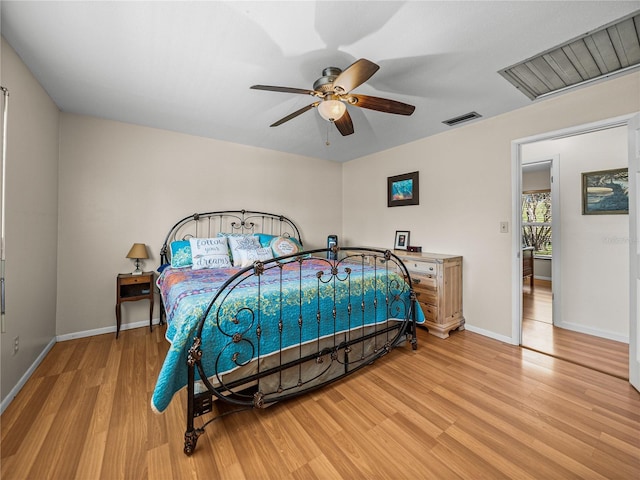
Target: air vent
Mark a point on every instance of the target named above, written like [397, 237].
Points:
[612, 49]
[462, 118]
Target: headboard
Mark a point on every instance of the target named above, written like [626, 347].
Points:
[206, 225]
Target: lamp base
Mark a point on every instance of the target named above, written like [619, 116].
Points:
[137, 271]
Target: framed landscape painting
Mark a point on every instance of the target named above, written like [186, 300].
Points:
[605, 192]
[403, 190]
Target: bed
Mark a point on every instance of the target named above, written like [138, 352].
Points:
[253, 318]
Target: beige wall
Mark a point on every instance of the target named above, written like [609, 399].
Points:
[594, 260]
[31, 220]
[465, 192]
[122, 183]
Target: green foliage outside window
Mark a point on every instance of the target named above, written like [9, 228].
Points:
[536, 221]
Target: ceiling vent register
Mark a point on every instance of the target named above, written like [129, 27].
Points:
[610, 50]
[462, 118]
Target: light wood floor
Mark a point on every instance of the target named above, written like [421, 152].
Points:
[467, 407]
[539, 334]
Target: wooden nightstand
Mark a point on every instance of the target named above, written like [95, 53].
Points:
[130, 288]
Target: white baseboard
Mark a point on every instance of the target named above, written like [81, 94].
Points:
[490, 334]
[23, 380]
[594, 331]
[104, 330]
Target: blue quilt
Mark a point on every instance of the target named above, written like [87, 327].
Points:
[291, 303]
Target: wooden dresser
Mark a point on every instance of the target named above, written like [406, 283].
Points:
[437, 281]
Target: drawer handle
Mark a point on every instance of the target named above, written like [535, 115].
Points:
[416, 280]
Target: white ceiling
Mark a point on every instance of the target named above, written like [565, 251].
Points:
[188, 66]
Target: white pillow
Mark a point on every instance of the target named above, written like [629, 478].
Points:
[247, 257]
[242, 242]
[209, 253]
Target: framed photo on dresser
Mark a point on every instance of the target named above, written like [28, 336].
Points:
[402, 240]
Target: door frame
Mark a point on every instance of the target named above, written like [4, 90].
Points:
[634, 250]
[516, 220]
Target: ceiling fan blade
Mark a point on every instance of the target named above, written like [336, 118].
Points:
[355, 75]
[344, 124]
[380, 104]
[294, 114]
[271, 88]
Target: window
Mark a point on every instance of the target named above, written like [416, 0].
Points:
[536, 221]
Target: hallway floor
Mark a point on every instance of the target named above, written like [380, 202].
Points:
[539, 334]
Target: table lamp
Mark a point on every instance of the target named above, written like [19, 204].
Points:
[138, 251]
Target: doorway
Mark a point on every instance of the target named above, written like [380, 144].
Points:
[537, 209]
[590, 276]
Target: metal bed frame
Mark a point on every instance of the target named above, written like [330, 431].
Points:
[293, 371]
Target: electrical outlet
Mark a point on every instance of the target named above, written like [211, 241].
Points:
[16, 345]
[504, 227]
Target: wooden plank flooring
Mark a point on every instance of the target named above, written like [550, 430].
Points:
[539, 334]
[466, 407]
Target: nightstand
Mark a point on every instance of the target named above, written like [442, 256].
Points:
[130, 288]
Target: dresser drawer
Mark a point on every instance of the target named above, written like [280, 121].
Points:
[430, 312]
[421, 267]
[423, 281]
[426, 296]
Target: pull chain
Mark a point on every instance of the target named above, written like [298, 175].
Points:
[327, 142]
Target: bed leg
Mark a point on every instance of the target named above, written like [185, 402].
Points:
[190, 441]
[414, 335]
[414, 321]
[191, 435]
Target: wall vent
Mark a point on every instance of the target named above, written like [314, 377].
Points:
[462, 118]
[611, 49]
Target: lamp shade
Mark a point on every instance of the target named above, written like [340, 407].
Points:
[331, 110]
[138, 250]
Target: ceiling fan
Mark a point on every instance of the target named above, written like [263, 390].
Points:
[334, 91]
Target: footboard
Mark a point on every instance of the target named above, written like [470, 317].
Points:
[283, 327]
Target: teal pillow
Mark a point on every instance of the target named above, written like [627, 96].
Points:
[181, 254]
[265, 240]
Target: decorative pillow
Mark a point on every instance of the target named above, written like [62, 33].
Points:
[265, 240]
[180, 254]
[284, 246]
[241, 242]
[209, 253]
[247, 257]
[296, 241]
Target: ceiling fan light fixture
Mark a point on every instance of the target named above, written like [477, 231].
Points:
[331, 110]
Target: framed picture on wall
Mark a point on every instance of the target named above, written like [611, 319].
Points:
[403, 190]
[605, 192]
[402, 240]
